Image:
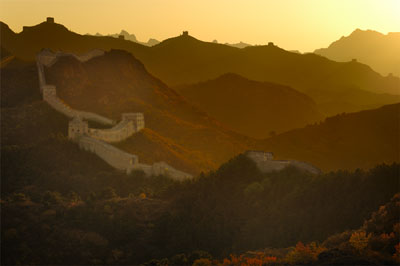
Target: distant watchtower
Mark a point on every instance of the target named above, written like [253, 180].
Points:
[185, 33]
[122, 37]
[137, 118]
[260, 155]
[77, 128]
[270, 44]
[354, 60]
[50, 20]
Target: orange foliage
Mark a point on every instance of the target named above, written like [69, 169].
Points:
[257, 259]
[396, 255]
[303, 254]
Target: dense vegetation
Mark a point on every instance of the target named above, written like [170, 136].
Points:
[237, 207]
[52, 215]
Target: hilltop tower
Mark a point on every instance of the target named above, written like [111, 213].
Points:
[77, 127]
[185, 33]
[50, 20]
[270, 44]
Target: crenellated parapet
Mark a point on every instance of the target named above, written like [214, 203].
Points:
[130, 124]
[48, 58]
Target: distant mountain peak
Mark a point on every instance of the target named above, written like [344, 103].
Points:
[371, 47]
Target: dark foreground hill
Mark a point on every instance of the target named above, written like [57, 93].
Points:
[70, 204]
[335, 86]
[344, 141]
[373, 48]
[253, 108]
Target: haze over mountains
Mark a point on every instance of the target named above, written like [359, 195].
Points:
[130, 37]
[252, 108]
[187, 152]
[373, 48]
[334, 86]
[117, 83]
[200, 138]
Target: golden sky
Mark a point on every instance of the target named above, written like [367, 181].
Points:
[302, 25]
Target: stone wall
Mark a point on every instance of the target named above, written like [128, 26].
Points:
[47, 58]
[95, 140]
[115, 157]
[127, 162]
[130, 124]
[266, 164]
[260, 155]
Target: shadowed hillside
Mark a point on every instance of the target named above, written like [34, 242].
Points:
[117, 82]
[252, 108]
[344, 141]
[379, 51]
[184, 59]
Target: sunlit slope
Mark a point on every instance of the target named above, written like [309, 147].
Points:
[117, 83]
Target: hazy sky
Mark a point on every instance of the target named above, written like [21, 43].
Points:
[292, 24]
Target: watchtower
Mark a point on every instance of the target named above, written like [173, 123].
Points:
[49, 91]
[185, 33]
[354, 60]
[137, 118]
[50, 20]
[77, 127]
[270, 44]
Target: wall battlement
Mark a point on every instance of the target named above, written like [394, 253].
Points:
[130, 124]
[95, 140]
[266, 164]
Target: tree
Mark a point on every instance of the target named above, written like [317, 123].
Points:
[359, 240]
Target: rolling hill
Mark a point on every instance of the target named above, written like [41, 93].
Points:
[373, 48]
[177, 132]
[252, 108]
[345, 141]
[335, 86]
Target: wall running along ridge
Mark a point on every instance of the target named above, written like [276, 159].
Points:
[95, 140]
[266, 163]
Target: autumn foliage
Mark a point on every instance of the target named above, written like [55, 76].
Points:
[249, 259]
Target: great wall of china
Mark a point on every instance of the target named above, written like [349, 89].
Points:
[97, 140]
[266, 163]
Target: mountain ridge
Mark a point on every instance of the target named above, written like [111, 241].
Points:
[253, 108]
[376, 49]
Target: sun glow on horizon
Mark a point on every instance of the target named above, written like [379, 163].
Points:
[302, 25]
